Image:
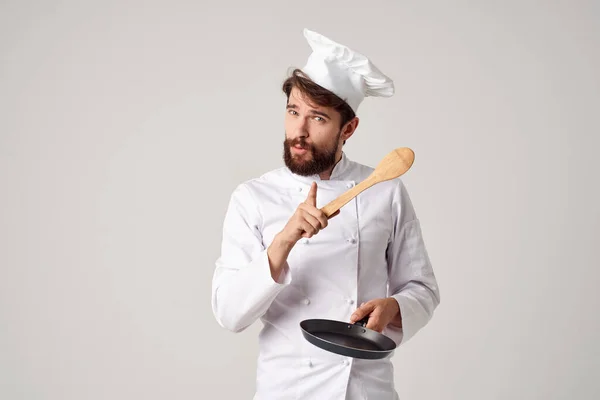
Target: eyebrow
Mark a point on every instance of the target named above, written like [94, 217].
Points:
[312, 111]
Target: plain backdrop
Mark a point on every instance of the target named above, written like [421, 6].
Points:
[125, 125]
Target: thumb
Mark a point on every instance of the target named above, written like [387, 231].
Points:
[312, 195]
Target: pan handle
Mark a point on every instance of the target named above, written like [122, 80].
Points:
[362, 322]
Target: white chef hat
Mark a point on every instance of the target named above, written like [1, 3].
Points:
[343, 71]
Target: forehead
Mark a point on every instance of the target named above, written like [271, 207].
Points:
[300, 99]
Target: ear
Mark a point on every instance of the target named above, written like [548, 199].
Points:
[349, 128]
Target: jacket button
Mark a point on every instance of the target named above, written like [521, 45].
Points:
[349, 185]
[306, 301]
[346, 362]
[350, 301]
[352, 240]
[304, 240]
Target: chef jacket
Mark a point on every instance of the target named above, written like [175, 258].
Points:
[373, 249]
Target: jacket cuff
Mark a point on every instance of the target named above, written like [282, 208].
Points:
[413, 318]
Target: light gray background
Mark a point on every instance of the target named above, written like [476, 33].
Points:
[124, 127]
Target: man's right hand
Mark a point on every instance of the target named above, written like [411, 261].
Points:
[306, 222]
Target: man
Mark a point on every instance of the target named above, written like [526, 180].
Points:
[282, 261]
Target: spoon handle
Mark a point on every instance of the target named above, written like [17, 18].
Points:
[345, 197]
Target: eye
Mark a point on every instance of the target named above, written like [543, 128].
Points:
[293, 112]
[320, 119]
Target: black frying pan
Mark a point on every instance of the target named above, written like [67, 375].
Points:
[351, 340]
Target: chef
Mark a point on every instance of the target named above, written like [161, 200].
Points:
[282, 261]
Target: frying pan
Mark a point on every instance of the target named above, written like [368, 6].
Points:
[351, 340]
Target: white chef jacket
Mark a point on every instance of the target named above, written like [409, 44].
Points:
[373, 249]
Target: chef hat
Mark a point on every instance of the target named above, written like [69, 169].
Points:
[343, 71]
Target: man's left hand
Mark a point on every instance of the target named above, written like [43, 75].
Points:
[381, 312]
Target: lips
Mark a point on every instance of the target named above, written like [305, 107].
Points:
[299, 149]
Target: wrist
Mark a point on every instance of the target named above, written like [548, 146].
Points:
[277, 254]
[397, 315]
[282, 242]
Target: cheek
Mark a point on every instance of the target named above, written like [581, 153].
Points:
[324, 136]
[288, 124]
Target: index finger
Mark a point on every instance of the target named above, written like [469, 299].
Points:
[362, 311]
[312, 195]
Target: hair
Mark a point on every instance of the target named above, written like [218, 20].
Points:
[318, 95]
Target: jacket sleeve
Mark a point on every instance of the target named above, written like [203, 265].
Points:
[242, 285]
[412, 281]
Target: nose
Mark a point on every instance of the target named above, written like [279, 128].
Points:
[301, 128]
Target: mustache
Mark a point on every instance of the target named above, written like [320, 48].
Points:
[300, 142]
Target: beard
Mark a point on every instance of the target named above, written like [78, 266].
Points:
[322, 158]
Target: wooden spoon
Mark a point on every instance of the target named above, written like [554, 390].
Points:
[394, 164]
